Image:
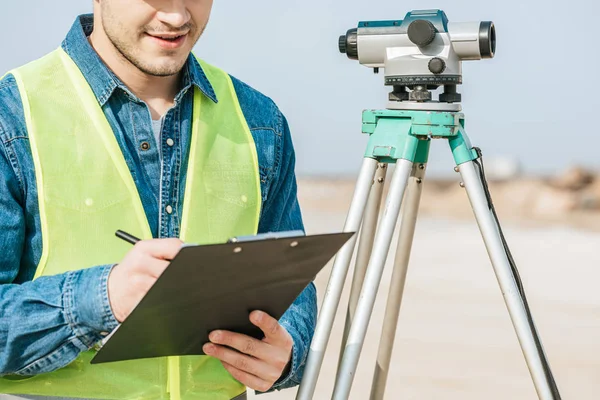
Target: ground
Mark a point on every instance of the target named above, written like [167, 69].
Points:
[455, 339]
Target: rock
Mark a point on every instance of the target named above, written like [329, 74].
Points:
[589, 199]
[575, 178]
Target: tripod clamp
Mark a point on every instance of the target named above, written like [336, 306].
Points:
[406, 134]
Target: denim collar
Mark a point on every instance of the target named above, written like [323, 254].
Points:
[103, 81]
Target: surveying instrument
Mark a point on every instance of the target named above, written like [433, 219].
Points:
[420, 53]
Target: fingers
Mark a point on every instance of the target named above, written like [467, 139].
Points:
[244, 363]
[255, 363]
[165, 249]
[155, 267]
[252, 347]
[251, 381]
[274, 333]
[130, 280]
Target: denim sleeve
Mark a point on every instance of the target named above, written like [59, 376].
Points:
[281, 213]
[47, 322]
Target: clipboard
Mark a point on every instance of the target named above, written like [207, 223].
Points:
[208, 287]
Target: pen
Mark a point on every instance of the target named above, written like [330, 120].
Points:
[130, 239]
[127, 237]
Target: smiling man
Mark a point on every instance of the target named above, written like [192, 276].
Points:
[122, 127]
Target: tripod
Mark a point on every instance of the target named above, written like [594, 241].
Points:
[402, 135]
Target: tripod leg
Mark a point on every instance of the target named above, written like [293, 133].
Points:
[392, 310]
[365, 246]
[336, 282]
[368, 294]
[507, 279]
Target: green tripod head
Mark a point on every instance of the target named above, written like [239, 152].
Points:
[421, 52]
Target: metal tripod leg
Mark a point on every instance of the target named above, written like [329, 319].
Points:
[512, 296]
[368, 294]
[365, 246]
[336, 282]
[392, 310]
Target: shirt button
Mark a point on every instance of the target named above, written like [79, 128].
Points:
[145, 146]
[169, 209]
[170, 142]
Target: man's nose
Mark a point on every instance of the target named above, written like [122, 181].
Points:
[174, 13]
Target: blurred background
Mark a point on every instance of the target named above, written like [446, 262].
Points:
[526, 109]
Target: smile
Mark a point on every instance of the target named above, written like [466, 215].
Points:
[168, 40]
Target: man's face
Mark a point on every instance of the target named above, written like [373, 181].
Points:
[156, 36]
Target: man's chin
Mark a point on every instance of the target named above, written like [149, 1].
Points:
[162, 69]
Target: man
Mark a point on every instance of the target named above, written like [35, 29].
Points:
[123, 128]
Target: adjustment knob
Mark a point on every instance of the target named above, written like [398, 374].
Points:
[421, 32]
[437, 65]
[342, 44]
[348, 44]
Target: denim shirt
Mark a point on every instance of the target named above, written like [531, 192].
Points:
[46, 323]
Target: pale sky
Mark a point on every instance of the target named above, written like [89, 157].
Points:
[534, 102]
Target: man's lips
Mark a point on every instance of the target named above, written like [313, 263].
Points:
[168, 40]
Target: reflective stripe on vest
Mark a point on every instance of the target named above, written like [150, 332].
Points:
[86, 193]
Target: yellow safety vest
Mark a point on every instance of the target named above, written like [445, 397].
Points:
[86, 193]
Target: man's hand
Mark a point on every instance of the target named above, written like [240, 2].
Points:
[258, 364]
[130, 280]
